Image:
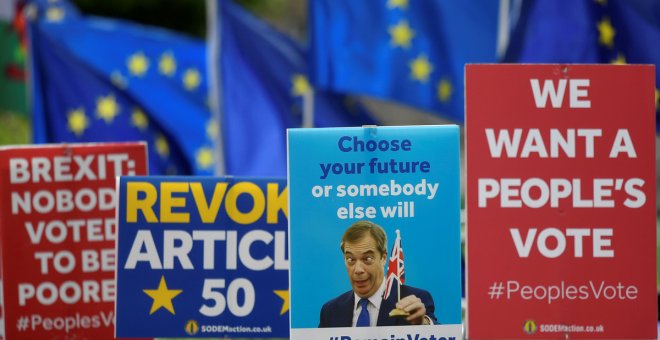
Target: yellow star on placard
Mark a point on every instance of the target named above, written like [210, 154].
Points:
[139, 119]
[204, 158]
[403, 4]
[167, 64]
[77, 121]
[162, 148]
[444, 90]
[284, 295]
[162, 296]
[138, 64]
[191, 79]
[421, 69]
[54, 14]
[107, 108]
[606, 33]
[212, 129]
[300, 85]
[401, 34]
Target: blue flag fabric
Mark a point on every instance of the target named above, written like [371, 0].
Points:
[410, 51]
[96, 80]
[264, 78]
[587, 31]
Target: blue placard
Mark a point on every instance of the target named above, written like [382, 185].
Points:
[401, 178]
[202, 257]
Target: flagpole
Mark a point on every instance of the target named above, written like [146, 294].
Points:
[213, 69]
[503, 28]
[398, 278]
[308, 109]
[38, 134]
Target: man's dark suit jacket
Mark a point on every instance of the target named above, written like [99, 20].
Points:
[338, 312]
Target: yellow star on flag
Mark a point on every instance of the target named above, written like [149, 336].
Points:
[606, 33]
[107, 108]
[118, 80]
[300, 85]
[204, 158]
[167, 64]
[421, 69]
[138, 64]
[162, 148]
[444, 90]
[657, 98]
[620, 59]
[401, 34]
[212, 129]
[54, 14]
[139, 119]
[162, 296]
[403, 4]
[77, 121]
[191, 79]
[284, 295]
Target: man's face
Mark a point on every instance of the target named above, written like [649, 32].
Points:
[364, 264]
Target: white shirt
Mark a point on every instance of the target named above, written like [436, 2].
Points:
[372, 307]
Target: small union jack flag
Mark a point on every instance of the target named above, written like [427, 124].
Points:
[395, 272]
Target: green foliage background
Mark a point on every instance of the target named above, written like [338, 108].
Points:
[14, 128]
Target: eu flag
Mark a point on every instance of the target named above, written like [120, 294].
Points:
[410, 51]
[264, 77]
[587, 31]
[96, 80]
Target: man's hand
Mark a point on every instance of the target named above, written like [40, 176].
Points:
[415, 307]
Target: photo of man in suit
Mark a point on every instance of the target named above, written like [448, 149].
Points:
[364, 248]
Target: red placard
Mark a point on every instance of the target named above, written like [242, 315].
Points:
[2, 321]
[561, 210]
[57, 232]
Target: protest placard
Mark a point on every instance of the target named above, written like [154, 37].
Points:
[396, 189]
[202, 257]
[57, 235]
[561, 212]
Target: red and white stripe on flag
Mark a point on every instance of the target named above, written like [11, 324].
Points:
[395, 271]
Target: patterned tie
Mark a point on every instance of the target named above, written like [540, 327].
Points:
[363, 318]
